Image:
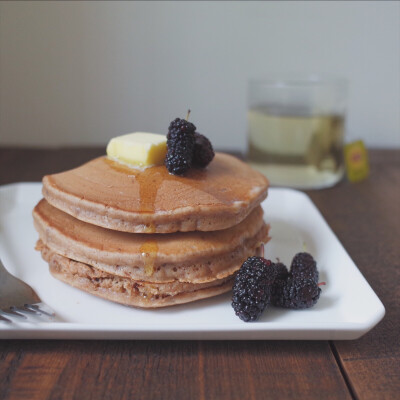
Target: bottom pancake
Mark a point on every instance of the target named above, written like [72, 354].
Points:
[127, 291]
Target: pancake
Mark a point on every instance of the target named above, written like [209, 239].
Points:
[193, 257]
[106, 193]
[127, 291]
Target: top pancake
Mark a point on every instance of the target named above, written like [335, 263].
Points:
[109, 194]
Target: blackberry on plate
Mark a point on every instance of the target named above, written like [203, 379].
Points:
[295, 293]
[180, 146]
[203, 151]
[304, 266]
[252, 288]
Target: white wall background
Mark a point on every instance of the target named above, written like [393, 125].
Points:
[81, 72]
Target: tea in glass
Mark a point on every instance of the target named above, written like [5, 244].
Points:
[296, 131]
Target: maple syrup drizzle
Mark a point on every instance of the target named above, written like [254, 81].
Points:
[149, 250]
[150, 228]
[150, 180]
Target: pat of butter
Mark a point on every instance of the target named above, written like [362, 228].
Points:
[138, 148]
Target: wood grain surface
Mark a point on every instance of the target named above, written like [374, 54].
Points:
[366, 219]
[168, 370]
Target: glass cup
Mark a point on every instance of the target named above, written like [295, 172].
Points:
[296, 130]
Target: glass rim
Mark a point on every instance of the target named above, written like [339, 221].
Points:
[298, 80]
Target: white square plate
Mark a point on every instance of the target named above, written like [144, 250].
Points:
[347, 308]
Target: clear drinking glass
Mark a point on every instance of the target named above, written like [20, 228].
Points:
[296, 130]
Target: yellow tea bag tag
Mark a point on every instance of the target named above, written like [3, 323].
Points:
[356, 159]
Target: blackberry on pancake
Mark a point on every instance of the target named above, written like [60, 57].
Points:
[180, 145]
[203, 152]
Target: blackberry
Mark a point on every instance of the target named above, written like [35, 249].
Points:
[252, 288]
[304, 266]
[180, 125]
[203, 151]
[295, 293]
[281, 272]
[177, 163]
[180, 146]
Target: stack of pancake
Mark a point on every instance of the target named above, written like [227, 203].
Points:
[146, 238]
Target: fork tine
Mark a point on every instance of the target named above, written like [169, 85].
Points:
[18, 310]
[4, 319]
[15, 312]
[36, 308]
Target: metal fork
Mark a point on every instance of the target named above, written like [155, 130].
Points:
[18, 301]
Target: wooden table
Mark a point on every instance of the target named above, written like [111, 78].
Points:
[365, 217]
